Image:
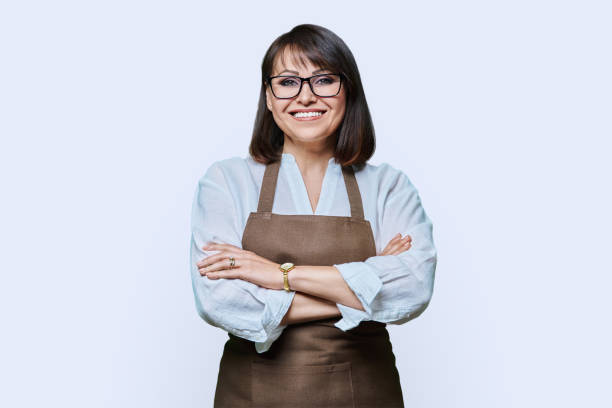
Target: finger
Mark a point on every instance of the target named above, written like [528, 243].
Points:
[391, 242]
[395, 251]
[405, 244]
[209, 260]
[232, 251]
[224, 264]
[213, 246]
[246, 255]
[400, 246]
[403, 248]
[226, 274]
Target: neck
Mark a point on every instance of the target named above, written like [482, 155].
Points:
[309, 157]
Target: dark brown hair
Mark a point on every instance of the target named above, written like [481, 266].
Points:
[355, 139]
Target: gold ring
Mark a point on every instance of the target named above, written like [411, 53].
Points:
[232, 262]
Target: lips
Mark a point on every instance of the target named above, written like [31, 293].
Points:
[307, 117]
[293, 112]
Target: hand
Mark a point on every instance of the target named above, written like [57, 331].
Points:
[397, 245]
[248, 266]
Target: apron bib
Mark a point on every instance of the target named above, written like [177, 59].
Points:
[311, 364]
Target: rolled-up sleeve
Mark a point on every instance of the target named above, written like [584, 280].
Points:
[234, 305]
[394, 288]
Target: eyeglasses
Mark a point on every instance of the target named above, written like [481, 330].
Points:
[322, 85]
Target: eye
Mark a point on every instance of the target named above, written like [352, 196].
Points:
[324, 80]
[288, 82]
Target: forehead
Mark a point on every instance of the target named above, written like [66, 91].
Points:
[293, 60]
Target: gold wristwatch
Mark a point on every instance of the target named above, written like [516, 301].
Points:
[286, 267]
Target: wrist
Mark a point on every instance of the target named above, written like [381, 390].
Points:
[294, 277]
[285, 270]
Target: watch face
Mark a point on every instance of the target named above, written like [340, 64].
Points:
[286, 265]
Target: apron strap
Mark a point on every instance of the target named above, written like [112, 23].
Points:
[352, 189]
[268, 189]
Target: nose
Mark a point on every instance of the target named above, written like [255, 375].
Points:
[305, 96]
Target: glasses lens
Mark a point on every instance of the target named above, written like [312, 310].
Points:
[285, 87]
[322, 85]
[326, 85]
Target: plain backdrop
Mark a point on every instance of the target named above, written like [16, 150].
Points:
[110, 111]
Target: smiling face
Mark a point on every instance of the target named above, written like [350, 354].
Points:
[308, 129]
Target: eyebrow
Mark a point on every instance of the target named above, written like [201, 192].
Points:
[297, 73]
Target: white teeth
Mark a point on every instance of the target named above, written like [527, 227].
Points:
[306, 114]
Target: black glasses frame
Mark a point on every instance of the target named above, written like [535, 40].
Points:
[302, 80]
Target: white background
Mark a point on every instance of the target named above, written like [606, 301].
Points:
[110, 111]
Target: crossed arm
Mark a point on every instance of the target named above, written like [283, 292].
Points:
[317, 288]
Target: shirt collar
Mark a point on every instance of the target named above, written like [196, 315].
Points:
[288, 157]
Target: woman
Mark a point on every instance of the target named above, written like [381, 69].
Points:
[287, 244]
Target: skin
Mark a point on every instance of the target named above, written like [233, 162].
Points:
[318, 288]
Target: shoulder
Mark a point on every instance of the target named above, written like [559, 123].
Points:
[230, 169]
[385, 177]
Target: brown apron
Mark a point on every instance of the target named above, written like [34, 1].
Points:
[311, 364]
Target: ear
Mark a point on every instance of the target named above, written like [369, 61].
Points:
[268, 97]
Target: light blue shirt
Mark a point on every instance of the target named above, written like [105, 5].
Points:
[392, 288]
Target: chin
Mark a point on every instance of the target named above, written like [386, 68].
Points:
[309, 138]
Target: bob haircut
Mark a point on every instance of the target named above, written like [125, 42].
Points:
[355, 139]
